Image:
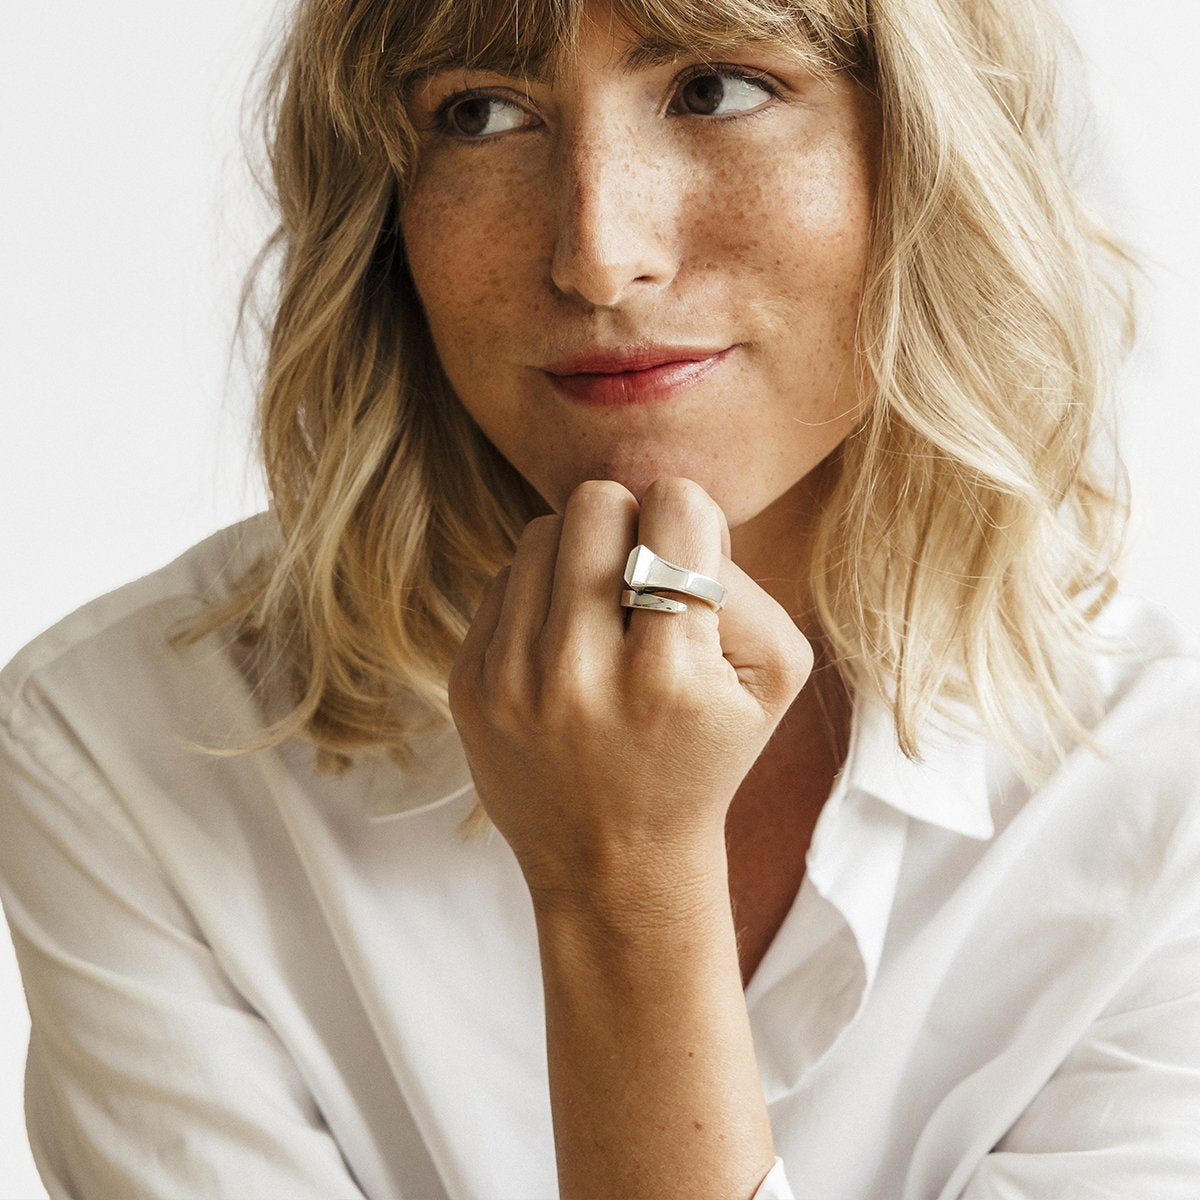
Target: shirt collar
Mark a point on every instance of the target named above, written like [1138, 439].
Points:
[946, 785]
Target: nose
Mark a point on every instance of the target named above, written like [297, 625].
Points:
[612, 241]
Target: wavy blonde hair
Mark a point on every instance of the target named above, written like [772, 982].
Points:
[975, 515]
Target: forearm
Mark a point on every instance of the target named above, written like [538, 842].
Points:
[653, 1081]
[607, 748]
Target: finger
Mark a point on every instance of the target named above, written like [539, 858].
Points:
[681, 523]
[527, 595]
[599, 527]
[770, 656]
[467, 672]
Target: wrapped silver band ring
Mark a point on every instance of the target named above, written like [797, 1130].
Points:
[647, 575]
[652, 601]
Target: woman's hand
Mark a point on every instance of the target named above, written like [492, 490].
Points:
[606, 744]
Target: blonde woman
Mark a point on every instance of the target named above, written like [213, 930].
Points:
[673, 733]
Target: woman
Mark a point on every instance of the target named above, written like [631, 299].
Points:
[863, 869]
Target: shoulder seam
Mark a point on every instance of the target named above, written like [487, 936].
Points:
[14, 695]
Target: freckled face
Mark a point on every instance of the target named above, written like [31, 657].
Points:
[614, 216]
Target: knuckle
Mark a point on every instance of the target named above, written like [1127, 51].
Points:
[601, 493]
[567, 696]
[571, 678]
[507, 693]
[541, 530]
[659, 677]
[803, 659]
[684, 500]
[675, 490]
[790, 665]
[795, 651]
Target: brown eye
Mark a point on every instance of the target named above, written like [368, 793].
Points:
[720, 93]
[702, 94]
[478, 117]
[470, 117]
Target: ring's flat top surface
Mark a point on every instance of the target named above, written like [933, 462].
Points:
[646, 571]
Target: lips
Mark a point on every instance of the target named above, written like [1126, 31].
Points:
[638, 376]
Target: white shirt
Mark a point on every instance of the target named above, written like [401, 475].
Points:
[247, 980]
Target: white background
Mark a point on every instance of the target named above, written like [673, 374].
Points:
[128, 220]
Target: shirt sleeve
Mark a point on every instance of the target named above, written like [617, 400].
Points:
[1121, 1116]
[149, 1076]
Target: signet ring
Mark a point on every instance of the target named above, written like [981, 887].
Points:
[647, 575]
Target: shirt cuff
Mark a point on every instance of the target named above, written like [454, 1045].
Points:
[775, 1186]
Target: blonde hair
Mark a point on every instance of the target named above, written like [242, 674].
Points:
[972, 514]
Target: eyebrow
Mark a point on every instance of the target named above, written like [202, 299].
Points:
[652, 52]
[646, 52]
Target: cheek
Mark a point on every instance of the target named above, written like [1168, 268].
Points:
[468, 250]
[791, 210]
[812, 221]
[801, 270]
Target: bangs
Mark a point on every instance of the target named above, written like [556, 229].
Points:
[530, 37]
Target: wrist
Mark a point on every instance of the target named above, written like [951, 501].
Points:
[635, 886]
[654, 1085]
[640, 925]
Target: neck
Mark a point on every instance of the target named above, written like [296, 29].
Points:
[775, 547]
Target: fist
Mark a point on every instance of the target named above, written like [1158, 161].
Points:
[609, 740]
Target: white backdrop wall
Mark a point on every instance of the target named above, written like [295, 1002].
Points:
[128, 220]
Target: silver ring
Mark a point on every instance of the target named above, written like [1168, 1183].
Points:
[647, 575]
[632, 599]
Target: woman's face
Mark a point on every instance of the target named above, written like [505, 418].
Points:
[641, 267]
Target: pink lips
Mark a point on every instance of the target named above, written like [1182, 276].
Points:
[641, 376]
